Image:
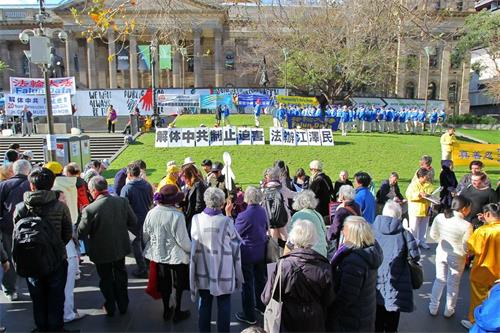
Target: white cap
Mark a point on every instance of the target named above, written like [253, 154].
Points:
[187, 160]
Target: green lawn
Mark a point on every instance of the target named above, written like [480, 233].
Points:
[490, 136]
[376, 153]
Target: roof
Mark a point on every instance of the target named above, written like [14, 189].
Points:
[22, 4]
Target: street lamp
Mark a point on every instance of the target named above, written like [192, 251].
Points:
[428, 52]
[40, 47]
[153, 49]
[183, 52]
[285, 53]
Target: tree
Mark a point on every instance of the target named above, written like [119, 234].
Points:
[482, 30]
[3, 66]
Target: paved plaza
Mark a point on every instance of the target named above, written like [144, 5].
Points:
[145, 314]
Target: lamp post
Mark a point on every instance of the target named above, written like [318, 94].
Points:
[428, 51]
[183, 52]
[153, 49]
[40, 47]
[285, 53]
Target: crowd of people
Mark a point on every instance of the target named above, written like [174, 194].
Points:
[345, 253]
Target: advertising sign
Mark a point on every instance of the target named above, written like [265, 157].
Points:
[61, 105]
[23, 85]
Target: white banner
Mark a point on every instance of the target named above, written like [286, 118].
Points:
[367, 101]
[60, 85]
[178, 100]
[290, 137]
[204, 137]
[398, 103]
[14, 104]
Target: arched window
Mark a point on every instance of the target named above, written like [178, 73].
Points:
[452, 92]
[410, 90]
[431, 91]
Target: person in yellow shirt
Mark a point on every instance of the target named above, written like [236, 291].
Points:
[418, 206]
[448, 139]
[173, 172]
[484, 244]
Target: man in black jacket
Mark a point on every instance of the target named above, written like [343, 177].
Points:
[47, 292]
[11, 193]
[322, 186]
[389, 189]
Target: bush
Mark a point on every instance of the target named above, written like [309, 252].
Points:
[472, 119]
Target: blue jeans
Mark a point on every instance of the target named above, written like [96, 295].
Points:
[138, 250]
[205, 311]
[47, 294]
[255, 280]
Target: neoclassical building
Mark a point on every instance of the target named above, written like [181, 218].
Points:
[214, 53]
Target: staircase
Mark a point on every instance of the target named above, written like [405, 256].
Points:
[102, 145]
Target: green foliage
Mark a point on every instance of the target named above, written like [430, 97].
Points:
[379, 154]
[3, 66]
[472, 119]
[480, 30]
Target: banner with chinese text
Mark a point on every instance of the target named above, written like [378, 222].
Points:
[14, 105]
[309, 122]
[464, 153]
[297, 100]
[23, 85]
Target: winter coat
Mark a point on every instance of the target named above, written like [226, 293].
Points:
[366, 201]
[316, 219]
[140, 196]
[11, 193]
[251, 225]
[46, 204]
[120, 180]
[451, 235]
[338, 221]
[355, 281]
[165, 236]
[385, 189]
[418, 206]
[194, 202]
[338, 184]
[394, 288]
[306, 290]
[107, 221]
[322, 187]
[448, 181]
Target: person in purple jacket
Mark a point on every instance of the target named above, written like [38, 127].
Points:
[251, 225]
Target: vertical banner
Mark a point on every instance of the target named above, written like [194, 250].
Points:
[288, 137]
[166, 56]
[313, 137]
[244, 136]
[144, 57]
[216, 138]
[258, 136]
[175, 137]
[188, 137]
[326, 137]
[301, 137]
[202, 137]
[276, 136]
[229, 135]
[161, 138]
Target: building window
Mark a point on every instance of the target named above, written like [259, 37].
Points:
[410, 90]
[25, 65]
[452, 92]
[433, 61]
[431, 91]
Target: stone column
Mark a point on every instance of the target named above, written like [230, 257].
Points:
[445, 72]
[4, 55]
[464, 106]
[219, 77]
[422, 76]
[176, 69]
[134, 83]
[112, 59]
[91, 65]
[197, 66]
[71, 48]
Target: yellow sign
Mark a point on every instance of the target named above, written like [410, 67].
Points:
[464, 153]
[297, 100]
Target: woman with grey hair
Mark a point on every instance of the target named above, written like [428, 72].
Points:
[347, 207]
[251, 225]
[355, 266]
[306, 282]
[394, 287]
[275, 191]
[305, 204]
[215, 266]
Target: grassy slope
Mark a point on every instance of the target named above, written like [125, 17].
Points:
[490, 136]
[376, 153]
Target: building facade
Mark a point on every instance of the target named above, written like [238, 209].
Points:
[214, 55]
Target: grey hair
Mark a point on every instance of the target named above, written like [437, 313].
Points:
[347, 193]
[21, 167]
[98, 183]
[303, 234]
[305, 199]
[427, 159]
[358, 232]
[214, 197]
[316, 165]
[273, 173]
[253, 195]
[392, 209]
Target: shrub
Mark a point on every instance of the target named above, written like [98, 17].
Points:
[472, 119]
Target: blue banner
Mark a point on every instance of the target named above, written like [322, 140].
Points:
[212, 101]
[308, 122]
[251, 100]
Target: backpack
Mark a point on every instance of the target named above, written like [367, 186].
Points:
[37, 250]
[274, 204]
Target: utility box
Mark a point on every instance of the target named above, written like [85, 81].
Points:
[74, 149]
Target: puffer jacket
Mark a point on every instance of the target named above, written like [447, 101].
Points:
[355, 281]
[306, 290]
[46, 204]
[394, 288]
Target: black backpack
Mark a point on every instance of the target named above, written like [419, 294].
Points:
[37, 250]
[274, 204]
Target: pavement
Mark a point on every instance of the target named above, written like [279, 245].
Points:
[145, 314]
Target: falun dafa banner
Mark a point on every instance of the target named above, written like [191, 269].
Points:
[464, 153]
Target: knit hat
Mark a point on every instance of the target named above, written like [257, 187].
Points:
[168, 195]
[54, 166]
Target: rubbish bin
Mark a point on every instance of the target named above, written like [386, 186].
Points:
[71, 149]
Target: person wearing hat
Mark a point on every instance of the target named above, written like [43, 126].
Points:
[207, 166]
[172, 177]
[167, 244]
[217, 179]
[95, 168]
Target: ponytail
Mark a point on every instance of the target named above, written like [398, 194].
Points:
[457, 204]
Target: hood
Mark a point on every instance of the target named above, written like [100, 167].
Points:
[372, 255]
[387, 225]
[34, 201]
[306, 255]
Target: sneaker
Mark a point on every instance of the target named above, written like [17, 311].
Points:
[77, 317]
[13, 297]
[467, 324]
[180, 316]
[433, 312]
[241, 317]
[448, 313]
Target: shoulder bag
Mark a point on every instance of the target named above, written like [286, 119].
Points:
[416, 270]
[272, 314]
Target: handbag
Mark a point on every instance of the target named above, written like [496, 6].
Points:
[273, 250]
[272, 314]
[416, 270]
